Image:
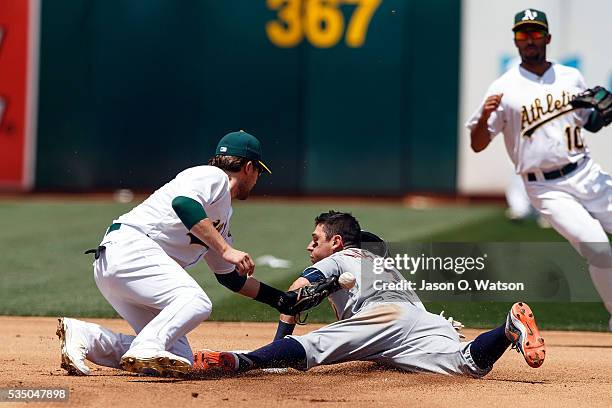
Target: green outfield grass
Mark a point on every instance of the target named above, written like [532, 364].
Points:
[43, 270]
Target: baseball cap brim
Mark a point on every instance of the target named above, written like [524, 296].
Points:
[264, 166]
[522, 24]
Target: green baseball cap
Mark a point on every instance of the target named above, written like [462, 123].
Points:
[241, 144]
[530, 17]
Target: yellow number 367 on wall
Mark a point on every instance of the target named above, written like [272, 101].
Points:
[320, 21]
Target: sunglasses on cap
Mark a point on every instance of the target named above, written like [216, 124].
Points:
[534, 35]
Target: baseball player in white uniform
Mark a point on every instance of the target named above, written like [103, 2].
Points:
[378, 323]
[531, 105]
[140, 266]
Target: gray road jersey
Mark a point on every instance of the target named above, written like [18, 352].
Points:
[367, 290]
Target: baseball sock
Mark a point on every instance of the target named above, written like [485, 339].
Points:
[284, 329]
[285, 352]
[487, 348]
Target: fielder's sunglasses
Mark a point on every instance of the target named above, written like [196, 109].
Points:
[533, 34]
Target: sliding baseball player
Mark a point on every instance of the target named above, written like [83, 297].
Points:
[375, 324]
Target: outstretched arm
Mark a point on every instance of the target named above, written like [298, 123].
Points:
[206, 232]
[256, 290]
[193, 216]
[286, 323]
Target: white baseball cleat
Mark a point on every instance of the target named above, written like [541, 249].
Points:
[155, 362]
[72, 347]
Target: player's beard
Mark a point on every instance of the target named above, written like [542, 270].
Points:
[534, 58]
[243, 191]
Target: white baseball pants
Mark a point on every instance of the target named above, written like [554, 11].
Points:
[579, 207]
[517, 199]
[157, 297]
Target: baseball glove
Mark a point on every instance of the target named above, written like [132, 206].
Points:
[297, 301]
[597, 98]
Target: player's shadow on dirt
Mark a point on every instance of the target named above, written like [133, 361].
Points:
[353, 368]
[155, 380]
[206, 377]
[517, 381]
[584, 346]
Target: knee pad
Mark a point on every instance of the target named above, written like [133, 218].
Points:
[232, 280]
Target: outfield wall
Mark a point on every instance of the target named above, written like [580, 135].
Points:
[349, 97]
[19, 24]
[132, 91]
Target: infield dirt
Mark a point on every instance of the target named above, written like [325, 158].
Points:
[577, 372]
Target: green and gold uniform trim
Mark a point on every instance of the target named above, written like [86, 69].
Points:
[530, 22]
[188, 210]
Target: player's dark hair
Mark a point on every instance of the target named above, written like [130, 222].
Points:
[343, 224]
[233, 164]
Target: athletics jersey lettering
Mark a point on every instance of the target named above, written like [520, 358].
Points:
[534, 112]
[534, 115]
[219, 226]
[195, 240]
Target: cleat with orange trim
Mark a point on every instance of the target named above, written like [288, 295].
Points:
[215, 361]
[522, 331]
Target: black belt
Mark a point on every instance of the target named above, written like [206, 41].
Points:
[98, 251]
[555, 174]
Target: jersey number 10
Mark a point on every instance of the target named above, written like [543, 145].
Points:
[574, 138]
